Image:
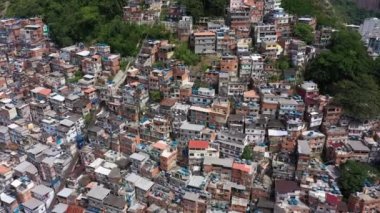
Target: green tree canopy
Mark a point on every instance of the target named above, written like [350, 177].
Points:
[283, 63]
[349, 12]
[155, 96]
[346, 59]
[347, 72]
[324, 14]
[183, 53]
[354, 175]
[200, 8]
[304, 32]
[360, 97]
[247, 153]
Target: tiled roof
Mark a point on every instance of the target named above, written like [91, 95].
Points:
[45, 92]
[4, 169]
[194, 144]
[242, 167]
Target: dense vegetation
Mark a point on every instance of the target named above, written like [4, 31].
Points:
[350, 13]
[319, 9]
[202, 8]
[345, 70]
[355, 175]
[183, 53]
[348, 73]
[88, 21]
[155, 96]
[247, 153]
[345, 11]
[304, 32]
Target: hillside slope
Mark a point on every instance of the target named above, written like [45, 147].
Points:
[321, 9]
[88, 21]
[350, 13]
[4, 4]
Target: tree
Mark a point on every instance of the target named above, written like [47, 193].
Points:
[183, 53]
[350, 13]
[354, 175]
[159, 64]
[247, 153]
[155, 96]
[88, 118]
[360, 98]
[195, 8]
[346, 59]
[304, 32]
[324, 14]
[348, 73]
[376, 70]
[215, 7]
[283, 63]
[200, 8]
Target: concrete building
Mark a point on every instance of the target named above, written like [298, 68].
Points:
[96, 197]
[231, 144]
[34, 206]
[203, 42]
[44, 194]
[198, 150]
[194, 202]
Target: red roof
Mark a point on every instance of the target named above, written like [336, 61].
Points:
[45, 91]
[332, 199]
[4, 169]
[75, 209]
[161, 145]
[242, 167]
[193, 144]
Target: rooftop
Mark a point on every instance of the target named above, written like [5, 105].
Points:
[116, 201]
[41, 190]
[312, 134]
[161, 145]
[286, 186]
[4, 169]
[7, 198]
[358, 146]
[303, 147]
[242, 167]
[224, 162]
[140, 182]
[204, 34]
[191, 196]
[197, 181]
[32, 203]
[138, 156]
[98, 193]
[38, 148]
[26, 166]
[65, 192]
[196, 144]
[192, 127]
[60, 208]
